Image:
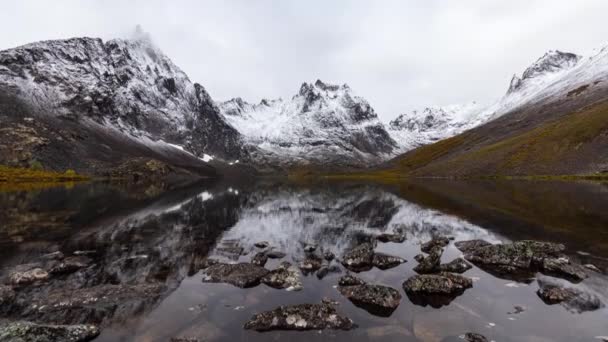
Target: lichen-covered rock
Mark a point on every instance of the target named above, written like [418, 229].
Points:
[440, 241]
[242, 275]
[32, 332]
[435, 289]
[259, 259]
[385, 261]
[286, 276]
[474, 337]
[300, 317]
[311, 263]
[470, 245]
[430, 263]
[563, 268]
[376, 299]
[572, 299]
[397, 237]
[350, 280]
[359, 258]
[27, 274]
[458, 265]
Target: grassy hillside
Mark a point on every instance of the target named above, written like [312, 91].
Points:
[571, 144]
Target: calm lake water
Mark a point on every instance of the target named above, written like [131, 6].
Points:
[147, 236]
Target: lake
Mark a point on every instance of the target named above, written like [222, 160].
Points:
[139, 257]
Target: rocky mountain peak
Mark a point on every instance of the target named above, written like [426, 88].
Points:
[551, 62]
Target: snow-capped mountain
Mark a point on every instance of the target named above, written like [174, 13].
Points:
[431, 124]
[124, 88]
[324, 124]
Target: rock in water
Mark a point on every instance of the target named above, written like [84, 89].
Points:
[259, 259]
[312, 263]
[398, 236]
[572, 299]
[300, 317]
[262, 244]
[385, 261]
[378, 300]
[441, 241]
[563, 268]
[350, 280]
[286, 276]
[435, 289]
[359, 258]
[27, 274]
[470, 245]
[274, 254]
[32, 332]
[430, 264]
[242, 275]
[325, 270]
[458, 265]
[474, 337]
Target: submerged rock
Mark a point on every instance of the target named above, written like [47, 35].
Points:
[259, 259]
[359, 258]
[474, 337]
[300, 317]
[241, 275]
[440, 241]
[32, 332]
[563, 268]
[572, 299]
[430, 263]
[286, 276]
[470, 245]
[458, 265]
[376, 299]
[436, 289]
[385, 261]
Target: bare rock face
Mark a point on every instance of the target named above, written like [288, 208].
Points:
[286, 276]
[572, 299]
[241, 275]
[300, 317]
[32, 332]
[378, 300]
[436, 289]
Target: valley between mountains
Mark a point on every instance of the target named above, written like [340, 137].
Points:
[122, 109]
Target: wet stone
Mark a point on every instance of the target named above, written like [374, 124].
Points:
[458, 265]
[311, 263]
[309, 248]
[397, 237]
[7, 295]
[378, 300]
[329, 256]
[242, 275]
[274, 254]
[27, 274]
[430, 263]
[300, 317]
[440, 241]
[592, 267]
[572, 299]
[286, 276]
[27, 331]
[325, 270]
[259, 259]
[563, 268]
[350, 280]
[359, 258]
[208, 262]
[470, 245]
[419, 257]
[474, 337]
[435, 290]
[385, 261]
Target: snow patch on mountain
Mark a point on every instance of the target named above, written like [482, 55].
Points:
[322, 124]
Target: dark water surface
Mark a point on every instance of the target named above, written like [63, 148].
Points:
[147, 236]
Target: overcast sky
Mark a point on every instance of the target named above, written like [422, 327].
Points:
[399, 55]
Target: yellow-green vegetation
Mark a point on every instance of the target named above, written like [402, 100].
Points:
[543, 150]
[14, 178]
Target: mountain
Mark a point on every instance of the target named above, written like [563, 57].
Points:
[552, 121]
[91, 105]
[322, 125]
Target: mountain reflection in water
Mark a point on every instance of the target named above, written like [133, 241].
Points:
[145, 250]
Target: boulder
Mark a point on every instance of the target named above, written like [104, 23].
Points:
[458, 265]
[325, 270]
[350, 280]
[286, 276]
[259, 259]
[300, 317]
[378, 300]
[385, 261]
[563, 268]
[474, 337]
[470, 245]
[274, 254]
[430, 263]
[311, 263]
[28, 331]
[359, 258]
[241, 275]
[572, 299]
[398, 236]
[27, 274]
[435, 290]
[262, 244]
[70, 264]
[440, 241]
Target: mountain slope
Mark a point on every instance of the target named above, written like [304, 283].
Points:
[323, 125]
[558, 126]
[92, 104]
